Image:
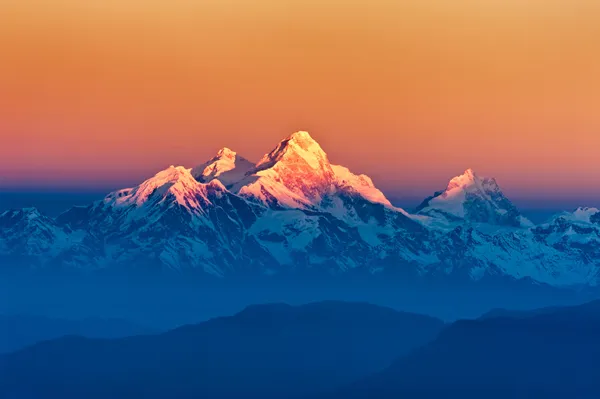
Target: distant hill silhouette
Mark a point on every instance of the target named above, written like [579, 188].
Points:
[265, 351]
[554, 353]
[18, 331]
[511, 313]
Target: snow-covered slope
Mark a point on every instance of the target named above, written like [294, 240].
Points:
[175, 184]
[577, 232]
[295, 174]
[227, 166]
[170, 220]
[471, 198]
[26, 232]
[582, 216]
[295, 212]
[361, 185]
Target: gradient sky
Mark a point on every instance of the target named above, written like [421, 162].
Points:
[409, 92]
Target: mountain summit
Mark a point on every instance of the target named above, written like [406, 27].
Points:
[299, 150]
[226, 165]
[295, 212]
[295, 174]
[471, 198]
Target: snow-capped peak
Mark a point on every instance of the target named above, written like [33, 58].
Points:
[583, 215]
[469, 177]
[226, 165]
[226, 152]
[585, 212]
[299, 147]
[295, 174]
[175, 180]
[359, 184]
[28, 216]
[472, 198]
[26, 213]
[452, 199]
[300, 211]
[470, 181]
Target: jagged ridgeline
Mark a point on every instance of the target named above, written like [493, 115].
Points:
[295, 212]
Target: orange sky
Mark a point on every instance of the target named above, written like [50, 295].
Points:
[410, 92]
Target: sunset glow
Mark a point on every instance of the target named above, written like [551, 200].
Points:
[410, 93]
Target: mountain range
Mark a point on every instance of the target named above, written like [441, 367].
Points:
[265, 351]
[324, 350]
[293, 212]
[19, 331]
[544, 353]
